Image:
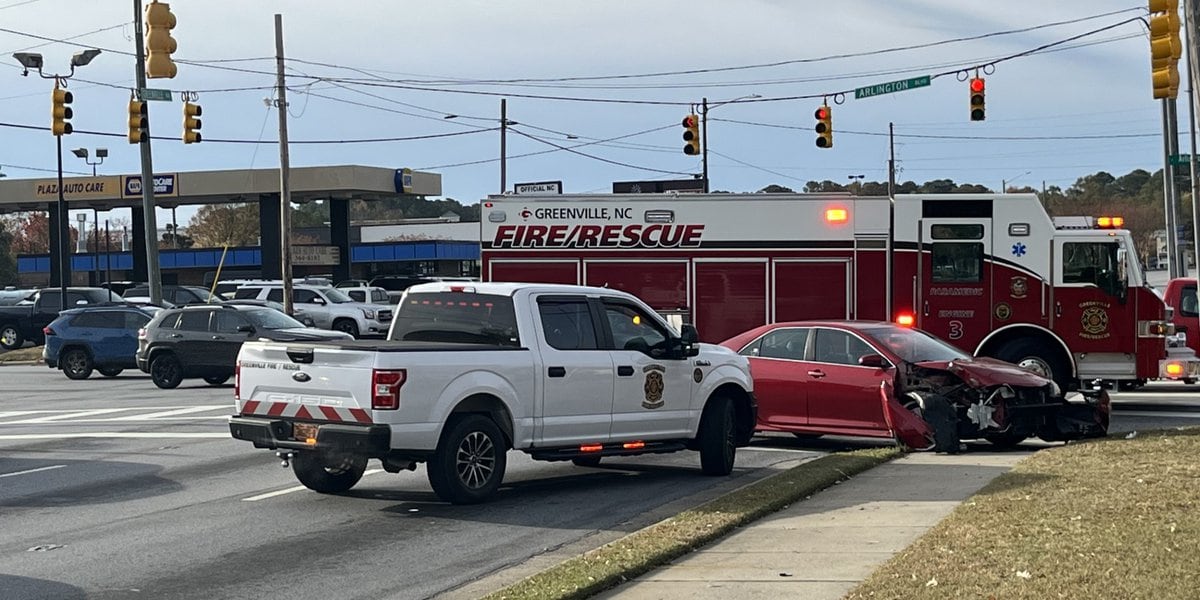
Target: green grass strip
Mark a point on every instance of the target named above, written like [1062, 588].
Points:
[639, 552]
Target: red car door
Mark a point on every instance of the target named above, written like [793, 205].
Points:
[843, 397]
[777, 364]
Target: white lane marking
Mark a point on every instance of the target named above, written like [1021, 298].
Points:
[18, 413]
[39, 469]
[1156, 413]
[70, 415]
[172, 413]
[137, 419]
[141, 435]
[295, 489]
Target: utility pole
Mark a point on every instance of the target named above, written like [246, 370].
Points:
[891, 159]
[891, 242]
[704, 140]
[1169, 198]
[285, 190]
[150, 220]
[503, 145]
[1193, 54]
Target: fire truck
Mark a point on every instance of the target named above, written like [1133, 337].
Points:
[993, 274]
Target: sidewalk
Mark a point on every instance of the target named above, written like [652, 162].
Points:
[824, 546]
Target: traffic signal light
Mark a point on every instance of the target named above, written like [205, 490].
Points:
[824, 127]
[137, 121]
[60, 112]
[191, 123]
[691, 135]
[159, 43]
[978, 87]
[1165, 48]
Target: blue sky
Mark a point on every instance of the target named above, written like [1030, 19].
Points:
[1096, 89]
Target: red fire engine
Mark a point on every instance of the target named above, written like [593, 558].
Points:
[993, 274]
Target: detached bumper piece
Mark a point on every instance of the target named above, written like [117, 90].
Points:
[1080, 420]
[369, 440]
[610, 449]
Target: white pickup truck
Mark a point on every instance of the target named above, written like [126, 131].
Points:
[471, 370]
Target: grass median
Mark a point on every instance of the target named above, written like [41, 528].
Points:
[658, 544]
[1117, 518]
[22, 355]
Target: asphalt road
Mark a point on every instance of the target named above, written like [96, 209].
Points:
[112, 488]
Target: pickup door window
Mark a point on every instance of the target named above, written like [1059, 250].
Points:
[652, 396]
[577, 375]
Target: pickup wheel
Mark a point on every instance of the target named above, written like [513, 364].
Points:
[11, 338]
[346, 326]
[718, 446]
[216, 379]
[165, 371]
[328, 474]
[469, 462]
[76, 364]
[110, 371]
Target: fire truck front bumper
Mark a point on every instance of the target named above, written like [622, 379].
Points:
[1181, 364]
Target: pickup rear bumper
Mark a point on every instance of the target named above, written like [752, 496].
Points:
[369, 440]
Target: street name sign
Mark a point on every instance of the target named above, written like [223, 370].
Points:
[902, 85]
[154, 94]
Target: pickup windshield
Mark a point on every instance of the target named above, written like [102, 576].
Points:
[456, 317]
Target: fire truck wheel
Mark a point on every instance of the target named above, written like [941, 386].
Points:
[328, 474]
[1029, 354]
[718, 446]
[469, 462]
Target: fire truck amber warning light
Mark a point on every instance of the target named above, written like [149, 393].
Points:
[1174, 369]
[836, 215]
[905, 320]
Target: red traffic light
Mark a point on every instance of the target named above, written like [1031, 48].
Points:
[690, 121]
[822, 113]
[977, 84]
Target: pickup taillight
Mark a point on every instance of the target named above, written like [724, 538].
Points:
[385, 388]
[237, 381]
[47, 331]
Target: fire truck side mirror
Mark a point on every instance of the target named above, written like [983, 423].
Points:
[1122, 274]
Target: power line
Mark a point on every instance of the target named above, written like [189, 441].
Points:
[759, 65]
[41, 170]
[1113, 136]
[260, 141]
[540, 152]
[594, 157]
[763, 169]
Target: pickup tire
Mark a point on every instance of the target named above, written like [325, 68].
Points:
[717, 438]
[346, 326]
[327, 474]
[469, 462]
[165, 371]
[11, 338]
[76, 364]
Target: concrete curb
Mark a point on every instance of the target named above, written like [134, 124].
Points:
[651, 547]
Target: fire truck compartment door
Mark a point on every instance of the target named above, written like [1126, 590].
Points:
[954, 288]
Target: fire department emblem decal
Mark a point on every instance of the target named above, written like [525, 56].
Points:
[1094, 320]
[1019, 288]
[653, 387]
[526, 213]
[1003, 311]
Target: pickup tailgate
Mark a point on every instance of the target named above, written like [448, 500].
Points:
[304, 382]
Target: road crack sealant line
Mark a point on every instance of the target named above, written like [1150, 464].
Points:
[617, 562]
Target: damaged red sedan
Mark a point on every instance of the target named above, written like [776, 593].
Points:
[876, 379]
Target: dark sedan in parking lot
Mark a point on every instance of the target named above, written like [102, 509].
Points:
[877, 379]
[203, 340]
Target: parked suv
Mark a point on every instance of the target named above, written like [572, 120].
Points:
[175, 294]
[101, 338]
[203, 340]
[329, 308]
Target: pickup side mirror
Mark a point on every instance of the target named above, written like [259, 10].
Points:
[317, 300]
[688, 338]
[872, 360]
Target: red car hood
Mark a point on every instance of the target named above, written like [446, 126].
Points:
[980, 372]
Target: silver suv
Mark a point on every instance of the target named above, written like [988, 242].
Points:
[328, 307]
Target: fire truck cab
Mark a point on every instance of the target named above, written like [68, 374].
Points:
[991, 273]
